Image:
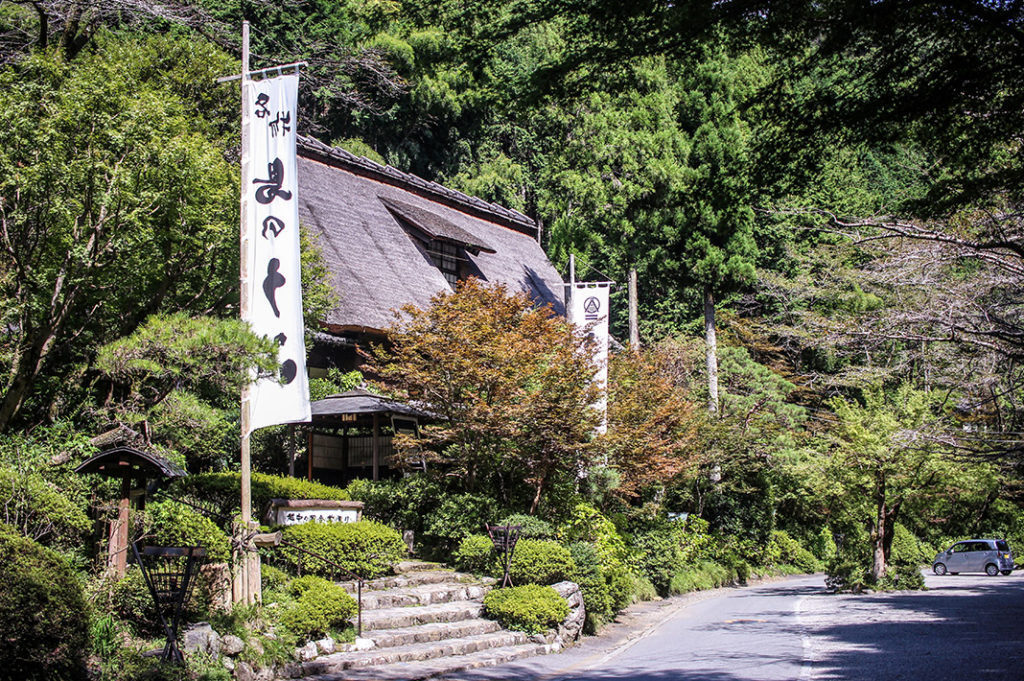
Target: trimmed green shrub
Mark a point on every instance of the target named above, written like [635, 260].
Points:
[538, 561]
[367, 548]
[593, 582]
[44, 620]
[622, 586]
[222, 491]
[531, 608]
[475, 554]
[319, 607]
[129, 599]
[175, 524]
[533, 527]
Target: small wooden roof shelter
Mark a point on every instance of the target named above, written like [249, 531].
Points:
[337, 432]
[131, 466]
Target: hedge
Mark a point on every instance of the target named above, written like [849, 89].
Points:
[531, 608]
[44, 621]
[222, 491]
[367, 548]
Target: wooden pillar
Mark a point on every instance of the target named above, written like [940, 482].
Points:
[376, 447]
[117, 547]
[309, 454]
[291, 450]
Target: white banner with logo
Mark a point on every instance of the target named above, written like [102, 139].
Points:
[588, 309]
[275, 293]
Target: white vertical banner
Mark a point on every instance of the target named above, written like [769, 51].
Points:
[588, 310]
[274, 285]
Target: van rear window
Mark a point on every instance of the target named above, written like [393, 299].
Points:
[1002, 545]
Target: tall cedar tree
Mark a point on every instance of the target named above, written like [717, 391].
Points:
[510, 382]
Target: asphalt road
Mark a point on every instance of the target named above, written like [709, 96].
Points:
[964, 628]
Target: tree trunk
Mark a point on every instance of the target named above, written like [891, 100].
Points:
[536, 497]
[879, 535]
[711, 353]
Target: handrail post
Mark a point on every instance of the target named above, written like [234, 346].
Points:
[359, 608]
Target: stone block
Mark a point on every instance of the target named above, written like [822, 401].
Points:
[201, 637]
[231, 645]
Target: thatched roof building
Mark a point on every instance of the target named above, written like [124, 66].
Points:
[390, 239]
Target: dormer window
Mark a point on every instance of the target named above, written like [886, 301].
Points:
[446, 243]
[445, 255]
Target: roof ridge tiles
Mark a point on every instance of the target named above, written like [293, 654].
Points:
[512, 218]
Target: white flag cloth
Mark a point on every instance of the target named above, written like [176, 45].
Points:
[272, 228]
[588, 308]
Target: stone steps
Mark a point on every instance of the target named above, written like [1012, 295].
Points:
[422, 622]
[417, 671]
[397, 618]
[424, 594]
[435, 631]
[415, 652]
[417, 578]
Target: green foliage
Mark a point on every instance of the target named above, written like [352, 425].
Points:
[334, 383]
[475, 554]
[784, 550]
[531, 608]
[594, 583]
[909, 550]
[456, 516]
[132, 210]
[38, 509]
[538, 561]
[319, 607]
[175, 524]
[367, 548]
[699, 577]
[44, 619]
[221, 491]
[532, 526]
[587, 524]
[273, 578]
[40, 494]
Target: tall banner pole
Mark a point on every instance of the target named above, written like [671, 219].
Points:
[270, 299]
[248, 592]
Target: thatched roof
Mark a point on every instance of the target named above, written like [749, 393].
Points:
[372, 221]
[361, 401]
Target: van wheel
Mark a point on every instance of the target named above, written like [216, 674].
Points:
[1006, 573]
[991, 570]
[939, 569]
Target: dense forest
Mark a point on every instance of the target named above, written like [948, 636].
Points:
[822, 203]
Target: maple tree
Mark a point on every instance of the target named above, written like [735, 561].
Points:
[653, 428]
[510, 383]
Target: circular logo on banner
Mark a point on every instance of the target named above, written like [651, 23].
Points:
[591, 305]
